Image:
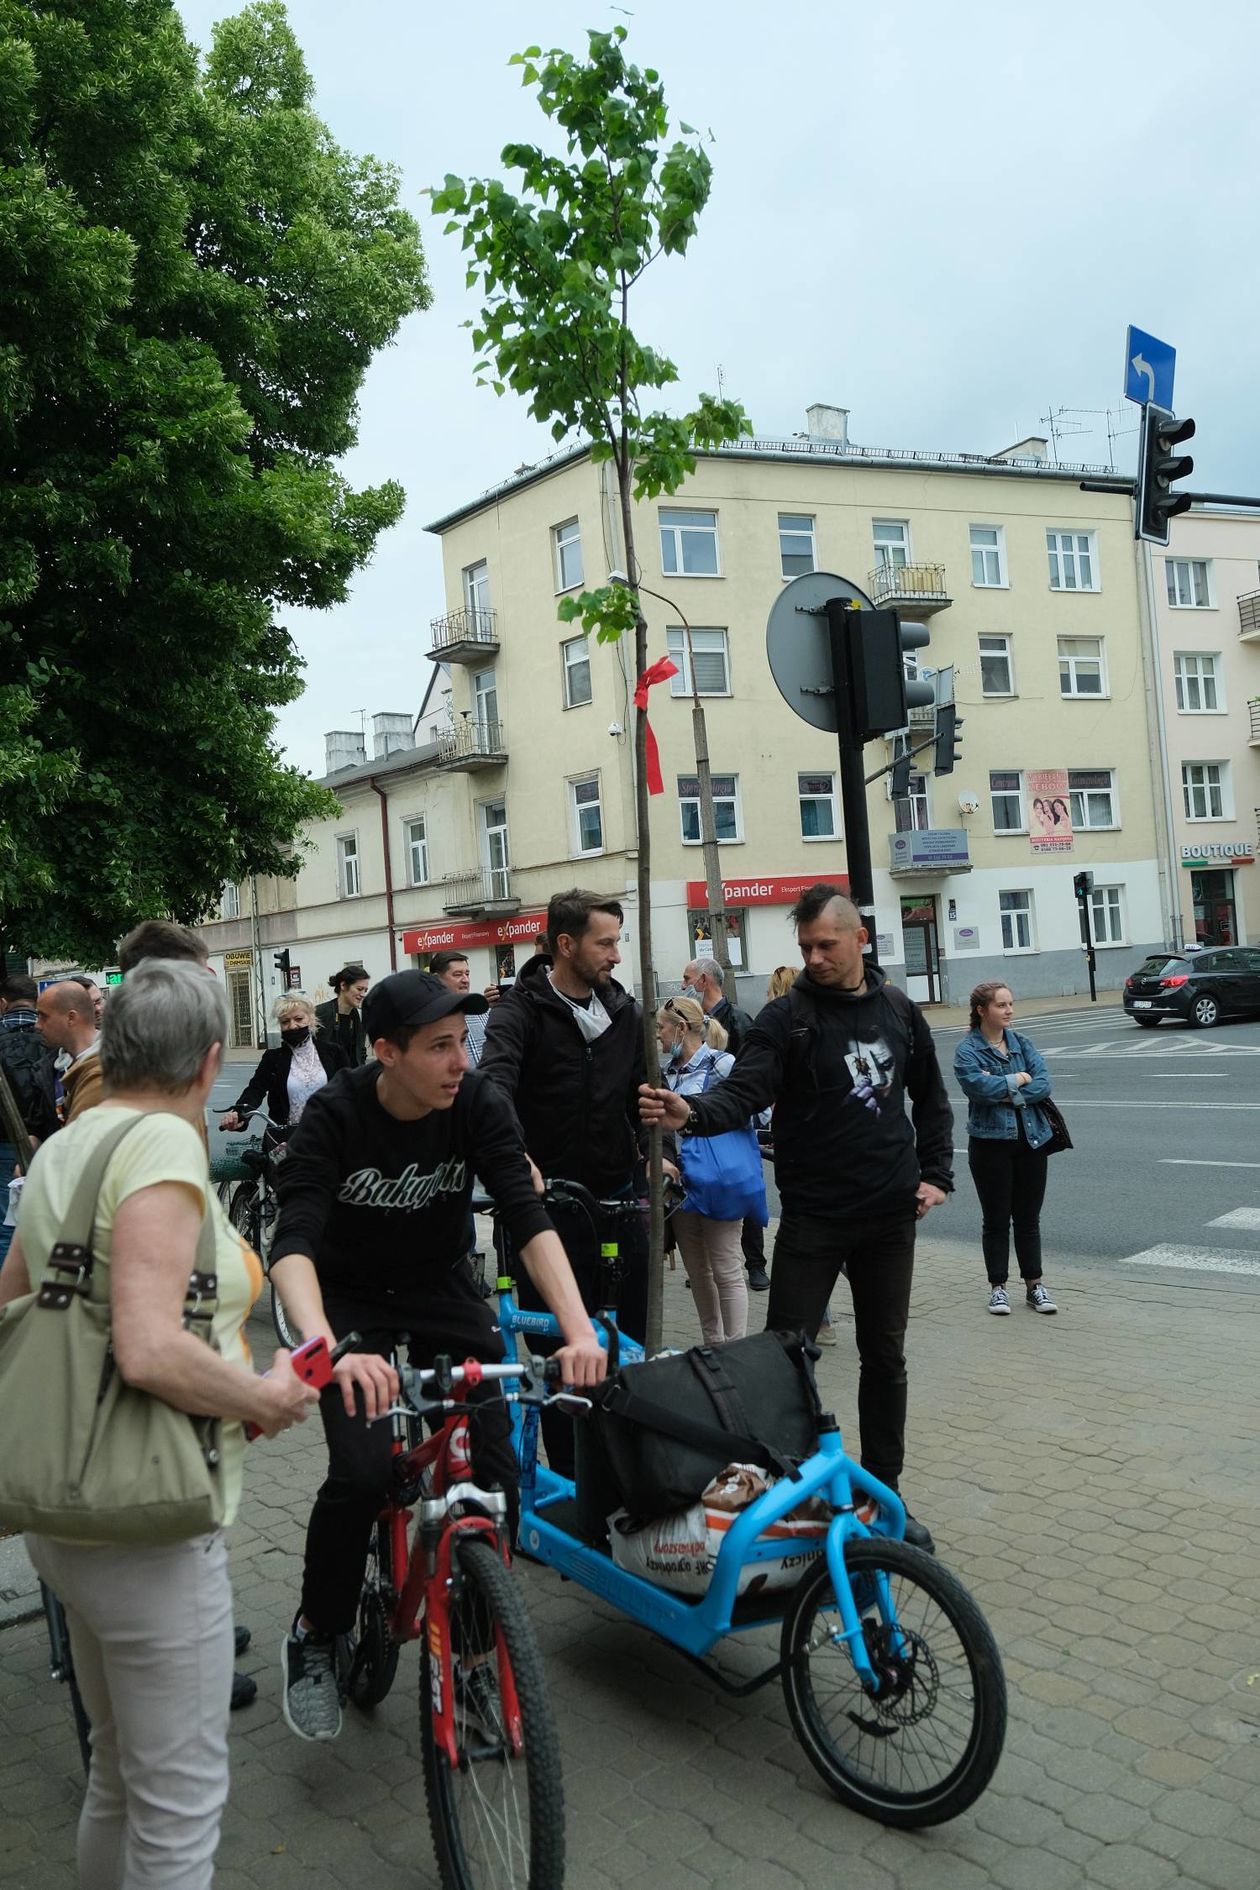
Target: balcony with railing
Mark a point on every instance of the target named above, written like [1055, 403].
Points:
[1253, 709]
[472, 743]
[464, 636]
[486, 889]
[917, 589]
[1249, 615]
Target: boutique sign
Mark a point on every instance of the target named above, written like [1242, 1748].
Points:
[1219, 853]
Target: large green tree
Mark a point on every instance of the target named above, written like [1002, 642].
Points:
[557, 260]
[193, 280]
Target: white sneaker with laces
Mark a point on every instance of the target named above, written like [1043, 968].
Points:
[998, 1301]
[1039, 1300]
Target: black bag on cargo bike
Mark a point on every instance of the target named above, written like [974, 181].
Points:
[666, 1426]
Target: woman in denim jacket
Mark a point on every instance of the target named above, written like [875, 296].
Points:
[1004, 1079]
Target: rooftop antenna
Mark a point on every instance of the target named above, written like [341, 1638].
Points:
[721, 379]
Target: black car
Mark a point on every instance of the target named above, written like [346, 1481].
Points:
[1201, 987]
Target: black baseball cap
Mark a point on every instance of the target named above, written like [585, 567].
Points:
[413, 997]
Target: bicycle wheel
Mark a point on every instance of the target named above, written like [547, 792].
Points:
[376, 1651]
[923, 1746]
[243, 1212]
[497, 1818]
[287, 1334]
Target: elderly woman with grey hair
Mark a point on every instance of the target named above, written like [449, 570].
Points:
[151, 1626]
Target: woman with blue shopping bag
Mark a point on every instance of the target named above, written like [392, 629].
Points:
[722, 1175]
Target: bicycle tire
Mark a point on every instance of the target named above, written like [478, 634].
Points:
[375, 1660]
[62, 1664]
[243, 1213]
[286, 1334]
[959, 1688]
[521, 1847]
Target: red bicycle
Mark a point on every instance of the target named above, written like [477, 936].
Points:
[490, 1752]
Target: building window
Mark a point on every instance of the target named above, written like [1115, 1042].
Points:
[892, 543]
[712, 666]
[997, 671]
[588, 820]
[348, 865]
[229, 900]
[1106, 913]
[417, 852]
[725, 807]
[1188, 586]
[1093, 793]
[1081, 671]
[796, 544]
[913, 814]
[477, 587]
[1073, 562]
[567, 540]
[1197, 683]
[1017, 926]
[817, 794]
[1006, 793]
[1205, 790]
[577, 672]
[988, 557]
[689, 544]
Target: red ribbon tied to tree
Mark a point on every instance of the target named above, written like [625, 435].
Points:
[655, 672]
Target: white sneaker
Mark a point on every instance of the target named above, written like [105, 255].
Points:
[1038, 1300]
[998, 1301]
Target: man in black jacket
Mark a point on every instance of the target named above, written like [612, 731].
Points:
[374, 1200]
[567, 1049]
[837, 1057]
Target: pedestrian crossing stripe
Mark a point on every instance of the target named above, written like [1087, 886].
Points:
[1238, 1217]
[1195, 1259]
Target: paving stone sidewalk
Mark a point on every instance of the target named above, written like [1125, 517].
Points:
[1095, 1480]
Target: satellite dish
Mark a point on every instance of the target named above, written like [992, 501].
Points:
[968, 803]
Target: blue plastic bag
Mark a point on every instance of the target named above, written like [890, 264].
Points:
[723, 1176]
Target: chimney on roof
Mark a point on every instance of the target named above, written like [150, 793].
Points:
[390, 733]
[343, 748]
[828, 423]
[1034, 448]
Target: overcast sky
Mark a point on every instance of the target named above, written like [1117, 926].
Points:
[939, 216]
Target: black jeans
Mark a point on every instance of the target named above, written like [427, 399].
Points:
[752, 1238]
[455, 1320]
[582, 1242]
[1010, 1180]
[879, 1258]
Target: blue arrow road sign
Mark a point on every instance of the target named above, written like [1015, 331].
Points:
[1148, 369]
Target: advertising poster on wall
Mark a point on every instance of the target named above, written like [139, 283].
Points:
[1049, 810]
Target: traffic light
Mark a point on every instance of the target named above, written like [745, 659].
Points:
[281, 960]
[1083, 885]
[899, 778]
[948, 738]
[874, 694]
[1158, 466]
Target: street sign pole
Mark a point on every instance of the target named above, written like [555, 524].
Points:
[1087, 939]
[857, 831]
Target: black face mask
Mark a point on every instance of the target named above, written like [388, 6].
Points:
[297, 1037]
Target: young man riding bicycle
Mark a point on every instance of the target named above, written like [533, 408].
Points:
[374, 1202]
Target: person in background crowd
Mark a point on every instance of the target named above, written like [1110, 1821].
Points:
[1005, 1079]
[837, 1057]
[94, 991]
[151, 1625]
[454, 971]
[65, 1018]
[288, 1076]
[340, 1017]
[163, 939]
[693, 1052]
[703, 979]
[28, 1069]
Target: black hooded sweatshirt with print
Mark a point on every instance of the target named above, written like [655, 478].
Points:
[838, 1067]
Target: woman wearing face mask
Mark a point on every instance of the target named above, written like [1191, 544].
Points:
[693, 1059]
[288, 1077]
